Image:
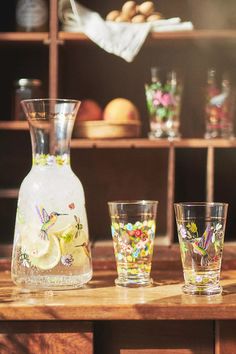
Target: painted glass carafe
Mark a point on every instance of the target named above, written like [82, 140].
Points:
[51, 242]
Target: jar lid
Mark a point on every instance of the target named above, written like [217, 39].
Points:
[28, 82]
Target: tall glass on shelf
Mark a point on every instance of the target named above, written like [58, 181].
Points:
[220, 106]
[51, 242]
[163, 97]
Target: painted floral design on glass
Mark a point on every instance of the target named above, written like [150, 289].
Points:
[133, 246]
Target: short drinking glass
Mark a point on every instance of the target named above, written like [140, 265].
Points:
[201, 228]
[133, 225]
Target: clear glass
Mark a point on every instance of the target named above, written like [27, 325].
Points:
[133, 226]
[51, 241]
[201, 229]
[220, 106]
[163, 97]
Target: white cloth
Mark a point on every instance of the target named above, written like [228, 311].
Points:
[182, 26]
[122, 39]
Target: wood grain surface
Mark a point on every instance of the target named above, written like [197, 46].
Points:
[46, 337]
[101, 300]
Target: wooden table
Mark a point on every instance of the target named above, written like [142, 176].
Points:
[103, 319]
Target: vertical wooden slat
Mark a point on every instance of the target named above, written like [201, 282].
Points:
[210, 174]
[225, 339]
[53, 50]
[217, 337]
[170, 193]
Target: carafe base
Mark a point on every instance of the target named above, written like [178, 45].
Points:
[52, 282]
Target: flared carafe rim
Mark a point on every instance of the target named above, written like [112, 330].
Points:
[62, 100]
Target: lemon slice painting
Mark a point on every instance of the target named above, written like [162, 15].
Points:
[51, 258]
[31, 243]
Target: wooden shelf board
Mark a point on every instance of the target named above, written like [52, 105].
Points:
[73, 36]
[102, 300]
[160, 36]
[147, 143]
[9, 193]
[205, 143]
[24, 36]
[195, 35]
[118, 143]
[14, 125]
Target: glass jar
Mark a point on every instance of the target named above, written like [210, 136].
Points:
[25, 89]
[32, 16]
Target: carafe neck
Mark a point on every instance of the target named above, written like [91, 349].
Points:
[51, 123]
[51, 141]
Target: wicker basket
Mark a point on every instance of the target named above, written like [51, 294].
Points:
[101, 129]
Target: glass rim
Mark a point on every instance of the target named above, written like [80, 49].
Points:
[201, 204]
[133, 202]
[59, 100]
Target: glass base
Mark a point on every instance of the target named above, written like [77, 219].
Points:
[133, 283]
[52, 282]
[218, 134]
[202, 290]
[163, 135]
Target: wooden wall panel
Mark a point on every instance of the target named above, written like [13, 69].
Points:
[154, 337]
[52, 337]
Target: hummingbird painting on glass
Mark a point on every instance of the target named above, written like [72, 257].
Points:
[48, 220]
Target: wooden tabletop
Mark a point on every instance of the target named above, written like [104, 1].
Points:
[102, 300]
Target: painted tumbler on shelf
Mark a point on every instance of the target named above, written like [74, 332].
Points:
[163, 98]
[220, 106]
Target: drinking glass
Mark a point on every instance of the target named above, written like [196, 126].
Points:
[220, 106]
[201, 228]
[163, 97]
[133, 225]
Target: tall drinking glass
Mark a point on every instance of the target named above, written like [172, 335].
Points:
[133, 225]
[163, 96]
[201, 228]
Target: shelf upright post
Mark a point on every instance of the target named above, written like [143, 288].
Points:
[170, 193]
[210, 173]
[53, 49]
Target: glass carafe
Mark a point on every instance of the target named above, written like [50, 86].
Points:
[51, 242]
